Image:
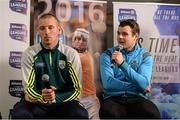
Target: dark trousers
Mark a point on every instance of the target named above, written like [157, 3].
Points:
[128, 108]
[66, 110]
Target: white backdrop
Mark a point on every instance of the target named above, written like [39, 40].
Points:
[14, 32]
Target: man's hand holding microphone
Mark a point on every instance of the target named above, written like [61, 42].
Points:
[117, 57]
[48, 93]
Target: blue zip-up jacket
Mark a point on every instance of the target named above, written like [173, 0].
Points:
[131, 77]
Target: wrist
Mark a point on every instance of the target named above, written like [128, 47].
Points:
[119, 65]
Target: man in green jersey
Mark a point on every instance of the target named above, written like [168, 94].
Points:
[51, 73]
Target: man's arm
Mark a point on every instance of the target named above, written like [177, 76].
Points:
[74, 87]
[28, 76]
[141, 78]
[74, 77]
[110, 83]
[73, 57]
[76, 64]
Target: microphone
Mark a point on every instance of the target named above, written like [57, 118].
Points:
[45, 79]
[113, 62]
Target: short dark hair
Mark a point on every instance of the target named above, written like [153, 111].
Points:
[48, 15]
[132, 24]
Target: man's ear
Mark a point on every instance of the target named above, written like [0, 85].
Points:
[136, 35]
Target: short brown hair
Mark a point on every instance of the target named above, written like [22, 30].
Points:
[48, 15]
[132, 24]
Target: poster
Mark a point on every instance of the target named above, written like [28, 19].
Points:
[159, 34]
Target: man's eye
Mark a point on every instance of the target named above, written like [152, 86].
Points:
[124, 34]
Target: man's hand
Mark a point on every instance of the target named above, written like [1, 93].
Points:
[49, 94]
[117, 56]
[148, 89]
[28, 99]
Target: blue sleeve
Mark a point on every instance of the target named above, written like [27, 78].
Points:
[141, 78]
[110, 83]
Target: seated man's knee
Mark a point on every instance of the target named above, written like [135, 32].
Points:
[155, 114]
[81, 113]
[19, 111]
[20, 114]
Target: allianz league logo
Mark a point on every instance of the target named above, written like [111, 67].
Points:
[19, 6]
[16, 88]
[127, 14]
[15, 59]
[18, 32]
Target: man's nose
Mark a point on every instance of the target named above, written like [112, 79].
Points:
[47, 30]
[120, 36]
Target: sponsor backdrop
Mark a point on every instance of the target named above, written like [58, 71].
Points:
[160, 34]
[14, 32]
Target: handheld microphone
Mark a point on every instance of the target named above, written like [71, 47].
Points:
[113, 62]
[45, 79]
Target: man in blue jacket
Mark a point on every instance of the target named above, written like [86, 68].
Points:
[126, 73]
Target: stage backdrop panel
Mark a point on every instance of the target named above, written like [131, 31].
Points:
[14, 32]
[160, 33]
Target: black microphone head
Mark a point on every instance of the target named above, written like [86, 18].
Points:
[45, 78]
[120, 47]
